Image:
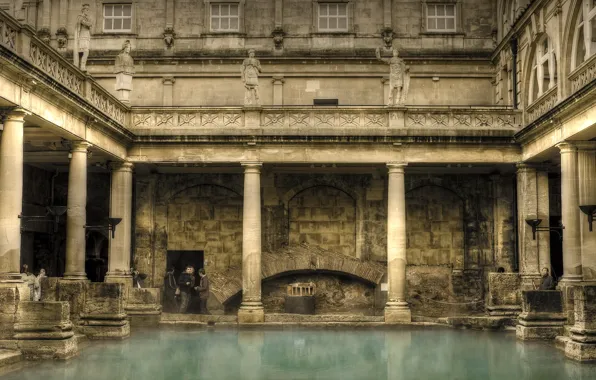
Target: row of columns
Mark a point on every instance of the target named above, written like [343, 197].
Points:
[11, 199]
[578, 187]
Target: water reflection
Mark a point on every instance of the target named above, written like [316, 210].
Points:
[402, 354]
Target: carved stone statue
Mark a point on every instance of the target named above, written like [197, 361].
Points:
[251, 67]
[399, 78]
[82, 38]
[124, 69]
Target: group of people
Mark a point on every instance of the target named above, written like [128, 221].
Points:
[33, 281]
[179, 293]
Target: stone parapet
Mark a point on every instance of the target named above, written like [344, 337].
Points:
[143, 306]
[11, 295]
[74, 293]
[542, 315]
[504, 295]
[44, 330]
[582, 345]
[103, 315]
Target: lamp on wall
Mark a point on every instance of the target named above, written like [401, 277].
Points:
[535, 222]
[110, 225]
[589, 210]
[52, 211]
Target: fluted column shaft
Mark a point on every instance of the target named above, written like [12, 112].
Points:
[76, 213]
[251, 309]
[121, 207]
[572, 268]
[397, 309]
[11, 194]
[586, 161]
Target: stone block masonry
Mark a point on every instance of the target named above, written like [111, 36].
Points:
[542, 315]
[103, 315]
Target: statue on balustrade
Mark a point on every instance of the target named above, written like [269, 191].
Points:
[82, 38]
[399, 78]
[124, 69]
[251, 68]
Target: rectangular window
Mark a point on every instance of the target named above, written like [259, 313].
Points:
[117, 18]
[440, 18]
[225, 17]
[333, 17]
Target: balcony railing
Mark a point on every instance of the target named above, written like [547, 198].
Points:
[22, 42]
[168, 120]
[583, 75]
[542, 105]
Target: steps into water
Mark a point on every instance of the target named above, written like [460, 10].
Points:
[9, 360]
[168, 319]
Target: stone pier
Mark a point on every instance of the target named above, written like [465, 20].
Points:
[542, 316]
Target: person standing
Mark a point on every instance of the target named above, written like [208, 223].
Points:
[37, 285]
[186, 282]
[82, 38]
[203, 290]
[29, 279]
[169, 303]
[547, 282]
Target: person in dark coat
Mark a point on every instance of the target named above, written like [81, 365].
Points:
[169, 294]
[186, 282]
[547, 282]
[203, 290]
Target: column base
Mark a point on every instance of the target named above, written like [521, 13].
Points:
[75, 276]
[546, 332]
[252, 312]
[123, 279]
[582, 352]
[398, 314]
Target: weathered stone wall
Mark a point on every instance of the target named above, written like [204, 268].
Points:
[325, 217]
[449, 225]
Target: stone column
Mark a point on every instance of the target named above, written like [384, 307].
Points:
[397, 309]
[121, 207]
[587, 196]
[251, 309]
[532, 203]
[11, 195]
[76, 213]
[168, 90]
[572, 269]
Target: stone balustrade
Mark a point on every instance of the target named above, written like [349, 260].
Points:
[583, 75]
[372, 120]
[22, 43]
[542, 105]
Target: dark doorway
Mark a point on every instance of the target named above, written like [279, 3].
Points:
[556, 249]
[180, 259]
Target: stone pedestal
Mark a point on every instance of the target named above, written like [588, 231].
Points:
[74, 293]
[397, 309]
[123, 87]
[44, 330]
[143, 306]
[103, 314]
[542, 316]
[582, 345]
[11, 295]
[504, 295]
[252, 117]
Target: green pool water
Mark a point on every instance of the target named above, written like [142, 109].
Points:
[400, 354]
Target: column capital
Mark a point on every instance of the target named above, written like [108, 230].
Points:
[13, 114]
[567, 147]
[277, 79]
[80, 146]
[121, 166]
[525, 167]
[396, 167]
[252, 167]
[168, 80]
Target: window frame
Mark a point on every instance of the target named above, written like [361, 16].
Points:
[316, 9]
[457, 17]
[585, 17]
[104, 17]
[207, 16]
[221, 17]
[329, 16]
[537, 69]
